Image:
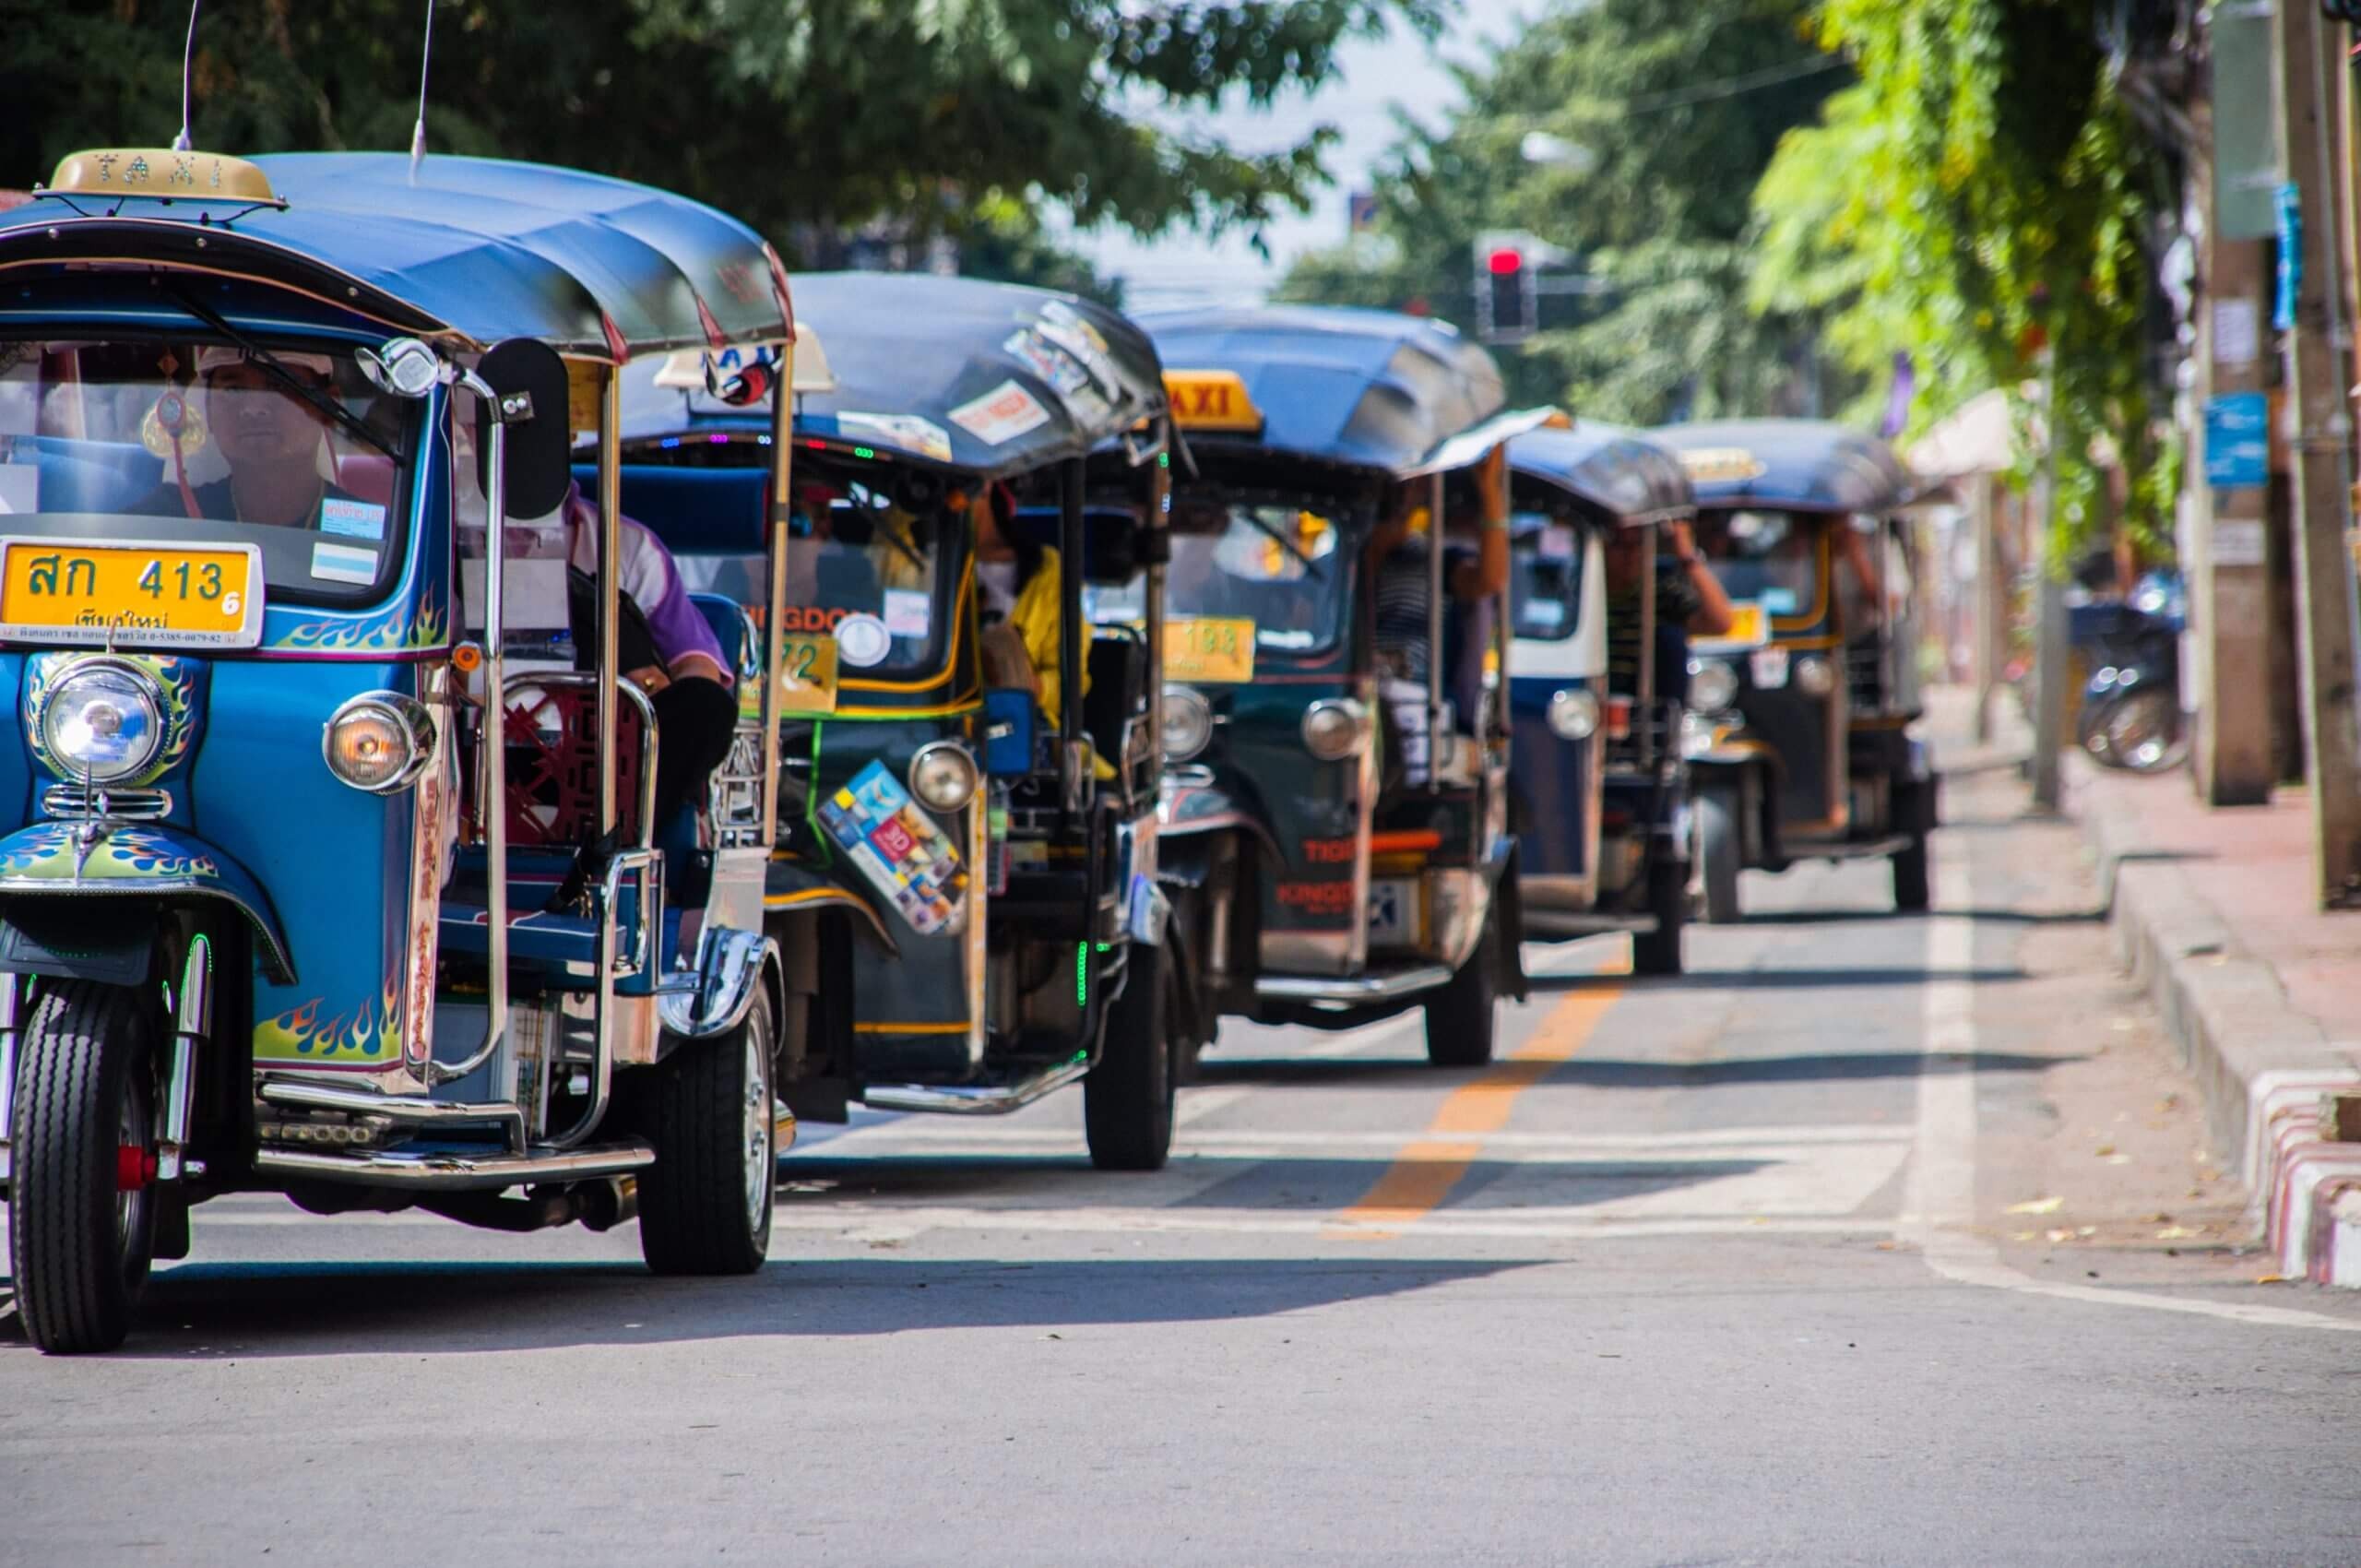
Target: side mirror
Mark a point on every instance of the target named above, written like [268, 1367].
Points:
[530, 380]
[403, 367]
[1116, 545]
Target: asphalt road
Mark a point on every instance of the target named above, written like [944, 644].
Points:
[1760, 1268]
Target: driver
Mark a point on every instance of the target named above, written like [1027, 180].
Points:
[275, 442]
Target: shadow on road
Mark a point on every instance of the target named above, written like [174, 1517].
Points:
[1804, 979]
[1815, 1068]
[270, 1311]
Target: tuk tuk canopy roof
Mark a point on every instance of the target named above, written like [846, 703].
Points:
[1362, 389]
[994, 379]
[476, 249]
[1617, 470]
[1792, 465]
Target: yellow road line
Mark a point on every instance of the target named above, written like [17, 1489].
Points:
[1426, 1171]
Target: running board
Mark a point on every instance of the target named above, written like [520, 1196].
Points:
[1867, 849]
[1584, 923]
[1354, 990]
[452, 1172]
[974, 1099]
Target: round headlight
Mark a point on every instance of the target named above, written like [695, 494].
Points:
[942, 776]
[1573, 714]
[103, 721]
[379, 741]
[1187, 723]
[1335, 728]
[1712, 684]
[1815, 677]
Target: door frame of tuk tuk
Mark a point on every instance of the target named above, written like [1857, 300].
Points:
[1824, 476]
[1338, 402]
[411, 268]
[1626, 759]
[934, 382]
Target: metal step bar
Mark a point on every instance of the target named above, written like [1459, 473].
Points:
[1353, 990]
[975, 1100]
[454, 1173]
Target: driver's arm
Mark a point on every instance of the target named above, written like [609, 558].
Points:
[1488, 573]
[1714, 613]
[684, 638]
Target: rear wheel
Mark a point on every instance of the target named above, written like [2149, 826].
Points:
[1718, 852]
[82, 1202]
[1657, 952]
[1127, 1099]
[1463, 1016]
[704, 1205]
[1913, 886]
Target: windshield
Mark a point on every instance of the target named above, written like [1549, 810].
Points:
[1766, 558]
[855, 559]
[247, 483]
[1545, 578]
[1278, 569]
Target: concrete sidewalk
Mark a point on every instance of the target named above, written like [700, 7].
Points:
[2212, 912]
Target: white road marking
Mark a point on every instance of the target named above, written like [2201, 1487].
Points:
[1550, 1225]
[1938, 1203]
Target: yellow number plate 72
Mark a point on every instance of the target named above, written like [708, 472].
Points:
[130, 593]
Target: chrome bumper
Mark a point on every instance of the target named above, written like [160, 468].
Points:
[1355, 989]
[458, 1172]
[413, 1111]
[960, 1099]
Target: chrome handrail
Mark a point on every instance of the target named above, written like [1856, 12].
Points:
[602, 1058]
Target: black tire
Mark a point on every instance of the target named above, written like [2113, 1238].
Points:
[1127, 1099]
[86, 1088]
[1462, 1017]
[704, 1205]
[1657, 952]
[1913, 886]
[1720, 852]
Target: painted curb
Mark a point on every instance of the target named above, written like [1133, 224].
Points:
[2262, 1067]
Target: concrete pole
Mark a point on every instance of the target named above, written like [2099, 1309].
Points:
[2053, 661]
[2319, 371]
[2229, 577]
[1989, 627]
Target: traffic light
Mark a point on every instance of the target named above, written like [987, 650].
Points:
[1505, 291]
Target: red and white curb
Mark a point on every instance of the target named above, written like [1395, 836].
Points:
[2310, 1185]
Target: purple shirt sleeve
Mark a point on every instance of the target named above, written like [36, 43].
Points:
[653, 582]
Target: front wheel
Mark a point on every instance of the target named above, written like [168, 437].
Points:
[82, 1204]
[1719, 851]
[1912, 885]
[704, 1205]
[1657, 952]
[1463, 1016]
[1127, 1099]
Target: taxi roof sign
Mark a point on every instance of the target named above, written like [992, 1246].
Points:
[158, 172]
[1721, 465]
[1211, 399]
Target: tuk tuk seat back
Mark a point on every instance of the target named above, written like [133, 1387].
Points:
[553, 770]
[693, 511]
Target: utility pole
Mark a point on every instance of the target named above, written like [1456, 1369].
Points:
[2311, 316]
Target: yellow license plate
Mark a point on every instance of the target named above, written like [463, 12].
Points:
[807, 676]
[133, 594]
[1209, 649]
[1749, 627]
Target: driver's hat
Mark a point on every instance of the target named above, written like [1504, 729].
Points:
[215, 356]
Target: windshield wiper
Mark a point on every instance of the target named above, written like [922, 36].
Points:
[287, 379]
[1274, 536]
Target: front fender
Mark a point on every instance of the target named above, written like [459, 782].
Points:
[791, 888]
[50, 860]
[1185, 809]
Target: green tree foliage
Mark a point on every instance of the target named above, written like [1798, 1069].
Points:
[1981, 198]
[1679, 107]
[806, 117]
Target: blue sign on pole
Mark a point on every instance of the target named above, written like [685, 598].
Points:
[2237, 441]
[2291, 259]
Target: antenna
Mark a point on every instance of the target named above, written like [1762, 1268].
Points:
[188, 56]
[418, 131]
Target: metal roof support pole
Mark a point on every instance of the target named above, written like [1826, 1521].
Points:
[611, 533]
[1072, 631]
[782, 511]
[1435, 728]
[1643, 705]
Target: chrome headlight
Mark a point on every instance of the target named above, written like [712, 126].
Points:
[1573, 713]
[1814, 676]
[942, 776]
[379, 741]
[1187, 723]
[1336, 728]
[103, 721]
[1712, 684]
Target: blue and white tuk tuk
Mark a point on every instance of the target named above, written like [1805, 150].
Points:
[1598, 794]
[276, 437]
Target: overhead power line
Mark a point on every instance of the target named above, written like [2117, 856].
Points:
[1730, 87]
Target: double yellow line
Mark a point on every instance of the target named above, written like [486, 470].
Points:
[1423, 1174]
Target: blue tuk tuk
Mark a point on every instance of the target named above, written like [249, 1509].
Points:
[964, 873]
[334, 861]
[1598, 789]
[1336, 832]
[1804, 742]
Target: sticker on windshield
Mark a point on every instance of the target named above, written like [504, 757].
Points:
[1779, 601]
[908, 612]
[904, 432]
[1557, 543]
[862, 641]
[1544, 613]
[1292, 637]
[353, 519]
[343, 563]
[1001, 415]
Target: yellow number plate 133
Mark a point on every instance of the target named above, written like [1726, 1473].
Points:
[1209, 649]
[133, 594]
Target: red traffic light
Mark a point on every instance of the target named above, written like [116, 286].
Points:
[1504, 261]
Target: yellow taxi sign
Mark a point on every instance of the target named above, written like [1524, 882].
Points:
[160, 172]
[1720, 464]
[1211, 400]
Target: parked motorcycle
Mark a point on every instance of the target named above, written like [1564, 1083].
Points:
[2130, 713]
